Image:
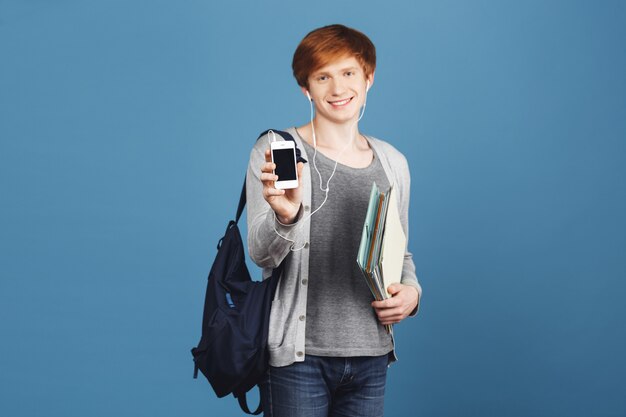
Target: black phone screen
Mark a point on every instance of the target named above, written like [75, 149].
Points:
[285, 161]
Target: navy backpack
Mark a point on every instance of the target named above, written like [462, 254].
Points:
[232, 352]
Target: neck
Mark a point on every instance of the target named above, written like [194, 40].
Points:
[335, 136]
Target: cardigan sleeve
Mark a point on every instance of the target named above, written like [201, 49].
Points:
[269, 241]
[409, 277]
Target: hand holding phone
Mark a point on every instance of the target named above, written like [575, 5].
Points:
[284, 202]
[284, 156]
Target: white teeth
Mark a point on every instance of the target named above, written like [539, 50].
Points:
[340, 103]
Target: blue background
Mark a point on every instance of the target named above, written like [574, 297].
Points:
[125, 130]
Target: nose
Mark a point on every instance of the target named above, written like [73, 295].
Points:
[337, 86]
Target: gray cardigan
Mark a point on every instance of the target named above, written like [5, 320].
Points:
[267, 249]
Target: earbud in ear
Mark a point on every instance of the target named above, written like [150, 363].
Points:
[309, 96]
[367, 87]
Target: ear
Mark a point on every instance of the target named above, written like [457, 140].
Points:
[305, 91]
[370, 78]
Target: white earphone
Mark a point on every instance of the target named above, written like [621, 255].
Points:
[325, 189]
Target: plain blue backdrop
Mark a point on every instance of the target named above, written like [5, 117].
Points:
[125, 131]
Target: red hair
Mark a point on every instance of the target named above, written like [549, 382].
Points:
[329, 43]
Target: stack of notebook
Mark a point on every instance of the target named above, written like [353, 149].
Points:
[383, 243]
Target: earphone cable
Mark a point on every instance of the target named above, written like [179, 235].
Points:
[327, 188]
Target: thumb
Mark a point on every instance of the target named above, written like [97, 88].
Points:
[394, 289]
[300, 167]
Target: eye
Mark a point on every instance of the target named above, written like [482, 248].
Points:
[322, 78]
[349, 73]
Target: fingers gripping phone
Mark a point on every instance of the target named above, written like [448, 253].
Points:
[284, 156]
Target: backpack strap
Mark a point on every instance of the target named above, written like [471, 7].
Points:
[244, 405]
[242, 201]
[299, 158]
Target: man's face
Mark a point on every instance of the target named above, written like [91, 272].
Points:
[338, 90]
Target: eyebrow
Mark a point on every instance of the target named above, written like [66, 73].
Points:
[317, 73]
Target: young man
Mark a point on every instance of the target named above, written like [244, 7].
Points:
[329, 349]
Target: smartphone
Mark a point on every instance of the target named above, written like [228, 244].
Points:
[284, 156]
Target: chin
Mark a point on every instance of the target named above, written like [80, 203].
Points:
[342, 118]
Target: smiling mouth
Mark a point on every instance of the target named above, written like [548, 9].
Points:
[340, 103]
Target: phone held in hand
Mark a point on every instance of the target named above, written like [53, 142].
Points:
[284, 156]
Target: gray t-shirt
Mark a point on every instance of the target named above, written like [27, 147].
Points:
[340, 320]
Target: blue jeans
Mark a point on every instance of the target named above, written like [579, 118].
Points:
[326, 387]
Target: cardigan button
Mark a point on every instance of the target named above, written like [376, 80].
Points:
[301, 317]
[305, 281]
[299, 354]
